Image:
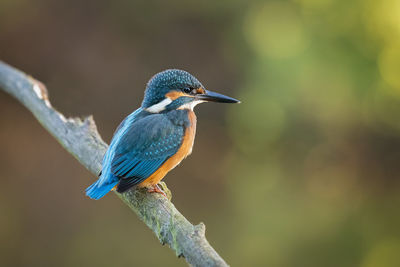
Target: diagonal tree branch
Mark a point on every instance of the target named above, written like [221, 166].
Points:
[83, 141]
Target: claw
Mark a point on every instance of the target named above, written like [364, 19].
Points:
[156, 189]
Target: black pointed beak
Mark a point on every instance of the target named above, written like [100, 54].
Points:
[215, 97]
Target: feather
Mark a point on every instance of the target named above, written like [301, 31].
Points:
[144, 147]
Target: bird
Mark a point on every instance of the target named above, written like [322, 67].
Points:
[156, 137]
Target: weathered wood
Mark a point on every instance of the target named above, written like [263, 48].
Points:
[81, 139]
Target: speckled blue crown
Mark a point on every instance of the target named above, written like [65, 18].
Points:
[166, 81]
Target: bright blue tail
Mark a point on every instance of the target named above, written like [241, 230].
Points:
[96, 192]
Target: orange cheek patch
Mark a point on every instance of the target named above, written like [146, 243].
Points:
[200, 90]
[174, 95]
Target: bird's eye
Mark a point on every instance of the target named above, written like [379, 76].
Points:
[187, 90]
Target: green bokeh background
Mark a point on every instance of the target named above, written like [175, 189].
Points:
[305, 172]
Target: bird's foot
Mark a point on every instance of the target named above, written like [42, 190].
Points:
[166, 190]
[156, 189]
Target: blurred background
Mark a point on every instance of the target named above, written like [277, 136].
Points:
[303, 173]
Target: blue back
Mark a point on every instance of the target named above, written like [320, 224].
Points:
[141, 144]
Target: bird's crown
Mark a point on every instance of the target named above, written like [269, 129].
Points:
[168, 81]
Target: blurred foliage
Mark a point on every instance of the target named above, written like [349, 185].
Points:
[317, 136]
[309, 176]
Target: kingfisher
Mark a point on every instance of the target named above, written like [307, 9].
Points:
[156, 137]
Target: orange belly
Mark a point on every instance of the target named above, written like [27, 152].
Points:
[184, 151]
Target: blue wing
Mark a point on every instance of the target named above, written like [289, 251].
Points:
[106, 180]
[144, 147]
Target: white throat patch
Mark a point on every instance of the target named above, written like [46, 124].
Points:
[156, 108]
[191, 105]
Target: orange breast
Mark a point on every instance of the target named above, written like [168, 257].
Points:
[184, 151]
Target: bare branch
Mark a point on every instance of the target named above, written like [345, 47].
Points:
[81, 139]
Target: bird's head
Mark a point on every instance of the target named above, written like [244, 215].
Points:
[178, 89]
